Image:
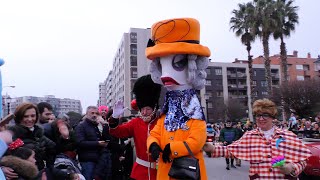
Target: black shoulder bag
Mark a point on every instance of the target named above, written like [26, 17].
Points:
[185, 167]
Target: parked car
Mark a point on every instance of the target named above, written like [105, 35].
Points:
[210, 135]
[312, 170]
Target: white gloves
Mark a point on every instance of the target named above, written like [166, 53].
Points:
[118, 109]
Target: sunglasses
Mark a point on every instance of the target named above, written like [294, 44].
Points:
[263, 116]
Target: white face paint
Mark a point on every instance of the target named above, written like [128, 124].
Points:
[174, 72]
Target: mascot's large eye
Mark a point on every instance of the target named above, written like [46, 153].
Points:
[179, 62]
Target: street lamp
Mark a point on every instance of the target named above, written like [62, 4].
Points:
[8, 99]
[206, 97]
[9, 86]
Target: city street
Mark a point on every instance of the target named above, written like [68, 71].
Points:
[216, 170]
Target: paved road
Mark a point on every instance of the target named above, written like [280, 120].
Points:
[216, 170]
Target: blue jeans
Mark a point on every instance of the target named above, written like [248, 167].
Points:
[87, 169]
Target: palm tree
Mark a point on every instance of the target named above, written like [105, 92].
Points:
[264, 25]
[241, 25]
[287, 18]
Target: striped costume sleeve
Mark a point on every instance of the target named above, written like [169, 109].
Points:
[220, 151]
[299, 167]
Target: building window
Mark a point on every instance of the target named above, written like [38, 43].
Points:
[134, 73]
[300, 78]
[264, 93]
[264, 84]
[218, 72]
[133, 60]
[219, 93]
[299, 67]
[208, 83]
[254, 83]
[254, 73]
[133, 49]
[208, 71]
[219, 82]
[208, 94]
[275, 82]
[210, 105]
[133, 37]
[306, 67]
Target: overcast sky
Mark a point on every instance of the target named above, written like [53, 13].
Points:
[66, 47]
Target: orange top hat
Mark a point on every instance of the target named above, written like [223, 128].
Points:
[175, 36]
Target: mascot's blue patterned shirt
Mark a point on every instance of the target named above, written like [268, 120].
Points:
[179, 107]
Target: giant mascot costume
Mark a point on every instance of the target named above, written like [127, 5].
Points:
[179, 63]
[147, 94]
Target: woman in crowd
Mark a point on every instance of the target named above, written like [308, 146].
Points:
[25, 128]
[26, 117]
[260, 146]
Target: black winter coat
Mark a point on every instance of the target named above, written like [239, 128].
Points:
[44, 148]
[88, 135]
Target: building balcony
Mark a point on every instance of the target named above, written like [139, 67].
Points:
[232, 75]
[242, 86]
[232, 85]
[275, 75]
[241, 75]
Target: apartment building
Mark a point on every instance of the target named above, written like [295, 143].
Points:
[129, 63]
[227, 81]
[299, 68]
[60, 105]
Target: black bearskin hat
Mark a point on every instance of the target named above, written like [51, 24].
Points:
[146, 91]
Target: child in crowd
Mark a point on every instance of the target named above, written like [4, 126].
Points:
[21, 160]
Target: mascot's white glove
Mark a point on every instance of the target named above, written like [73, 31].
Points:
[118, 109]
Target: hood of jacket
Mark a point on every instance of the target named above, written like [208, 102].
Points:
[23, 168]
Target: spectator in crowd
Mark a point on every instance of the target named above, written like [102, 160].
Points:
[64, 137]
[259, 146]
[103, 110]
[285, 126]
[307, 130]
[316, 127]
[292, 122]
[255, 126]
[21, 160]
[118, 153]
[90, 142]
[302, 124]
[147, 95]
[227, 136]
[25, 128]
[317, 118]
[247, 127]
[217, 134]
[45, 112]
